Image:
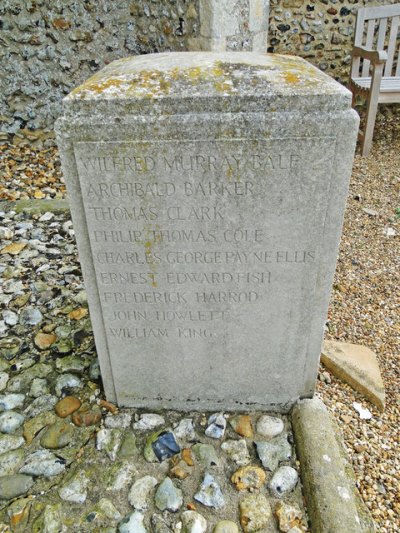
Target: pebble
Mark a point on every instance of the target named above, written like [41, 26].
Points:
[206, 455]
[30, 316]
[43, 341]
[67, 406]
[4, 377]
[57, 435]
[226, 526]
[10, 318]
[255, 513]
[10, 442]
[43, 463]
[237, 451]
[11, 461]
[168, 497]
[159, 525]
[160, 445]
[120, 475]
[39, 387]
[71, 363]
[273, 452]
[140, 491]
[283, 481]
[133, 523]
[120, 420]
[94, 370]
[104, 510]
[216, 427]
[10, 401]
[109, 441]
[87, 415]
[34, 425]
[248, 477]
[10, 421]
[210, 493]
[14, 486]
[148, 421]
[128, 447]
[288, 515]
[180, 470]
[51, 519]
[75, 489]
[193, 522]
[241, 424]
[269, 426]
[46, 216]
[66, 382]
[39, 405]
[185, 430]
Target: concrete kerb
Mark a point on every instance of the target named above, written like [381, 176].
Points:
[333, 502]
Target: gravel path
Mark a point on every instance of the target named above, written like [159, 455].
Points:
[364, 305]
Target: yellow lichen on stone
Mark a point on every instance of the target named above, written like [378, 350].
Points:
[291, 77]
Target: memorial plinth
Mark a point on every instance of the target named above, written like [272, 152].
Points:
[207, 193]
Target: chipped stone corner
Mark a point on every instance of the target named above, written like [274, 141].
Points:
[333, 501]
[225, 25]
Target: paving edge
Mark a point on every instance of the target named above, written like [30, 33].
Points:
[33, 206]
[333, 502]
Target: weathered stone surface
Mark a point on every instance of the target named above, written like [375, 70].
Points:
[193, 522]
[14, 485]
[237, 451]
[10, 462]
[269, 426]
[273, 452]
[332, 499]
[242, 425]
[10, 442]
[148, 421]
[75, 488]
[43, 463]
[216, 427]
[248, 478]
[255, 512]
[210, 493]
[168, 497]
[356, 365]
[120, 476]
[10, 421]
[271, 292]
[57, 435]
[109, 441]
[140, 492]
[206, 455]
[283, 481]
[133, 523]
[87, 415]
[226, 526]
[34, 425]
[288, 516]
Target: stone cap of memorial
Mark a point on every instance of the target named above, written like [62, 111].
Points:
[206, 82]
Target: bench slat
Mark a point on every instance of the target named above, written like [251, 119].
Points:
[380, 11]
[380, 44]
[368, 45]
[388, 85]
[392, 46]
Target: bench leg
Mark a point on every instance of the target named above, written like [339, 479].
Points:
[372, 108]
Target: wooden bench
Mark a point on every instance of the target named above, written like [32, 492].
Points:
[375, 69]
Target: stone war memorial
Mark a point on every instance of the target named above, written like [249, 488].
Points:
[207, 192]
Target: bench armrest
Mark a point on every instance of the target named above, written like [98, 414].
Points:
[375, 56]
